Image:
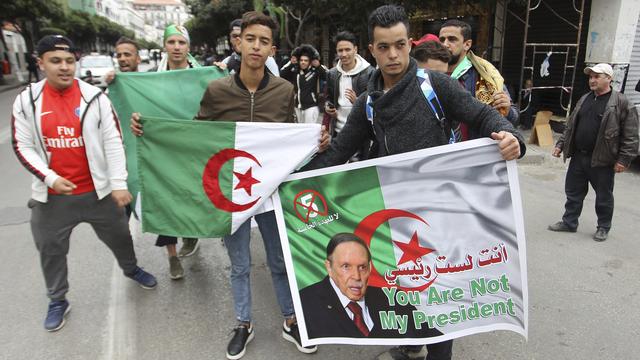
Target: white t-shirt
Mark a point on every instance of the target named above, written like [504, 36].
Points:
[344, 105]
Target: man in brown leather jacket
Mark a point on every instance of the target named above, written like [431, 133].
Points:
[253, 94]
[601, 138]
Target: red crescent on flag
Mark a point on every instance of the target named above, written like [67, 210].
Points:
[211, 181]
[367, 228]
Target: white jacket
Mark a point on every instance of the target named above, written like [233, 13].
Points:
[100, 130]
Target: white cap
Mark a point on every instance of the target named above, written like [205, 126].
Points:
[602, 68]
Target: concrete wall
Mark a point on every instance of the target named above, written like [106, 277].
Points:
[612, 29]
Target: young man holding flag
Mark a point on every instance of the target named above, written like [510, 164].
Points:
[395, 115]
[232, 62]
[176, 45]
[255, 95]
[128, 61]
[66, 134]
[127, 53]
[128, 57]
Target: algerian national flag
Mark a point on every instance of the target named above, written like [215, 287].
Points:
[435, 220]
[206, 178]
[171, 94]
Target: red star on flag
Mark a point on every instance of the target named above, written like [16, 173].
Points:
[245, 181]
[412, 250]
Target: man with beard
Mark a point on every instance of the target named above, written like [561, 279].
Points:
[127, 56]
[177, 57]
[478, 76]
[176, 44]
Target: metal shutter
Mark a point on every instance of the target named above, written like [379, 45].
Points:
[634, 70]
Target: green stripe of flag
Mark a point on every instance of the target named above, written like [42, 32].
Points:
[170, 94]
[351, 201]
[172, 156]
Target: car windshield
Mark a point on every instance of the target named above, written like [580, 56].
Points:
[96, 62]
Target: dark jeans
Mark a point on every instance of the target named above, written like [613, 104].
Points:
[579, 175]
[440, 351]
[437, 351]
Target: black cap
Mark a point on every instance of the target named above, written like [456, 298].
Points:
[53, 43]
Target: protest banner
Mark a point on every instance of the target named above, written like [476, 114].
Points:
[445, 231]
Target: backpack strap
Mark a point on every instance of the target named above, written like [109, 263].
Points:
[434, 103]
[432, 99]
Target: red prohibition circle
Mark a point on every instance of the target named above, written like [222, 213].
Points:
[308, 208]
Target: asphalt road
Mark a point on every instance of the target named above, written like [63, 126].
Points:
[583, 300]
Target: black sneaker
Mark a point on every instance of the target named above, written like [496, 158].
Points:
[242, 334]
[601, 234]
[561, 226]
[407, 352]
[293, 334]
[56, 313]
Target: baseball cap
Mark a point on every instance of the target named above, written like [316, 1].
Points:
[424, 39]
[53, 43]
[602, 68]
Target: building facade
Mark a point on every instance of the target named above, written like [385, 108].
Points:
[88, 6]
[158, 14]
[111, 9]
[14, 48]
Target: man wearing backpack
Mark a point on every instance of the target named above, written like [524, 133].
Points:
[395, 115]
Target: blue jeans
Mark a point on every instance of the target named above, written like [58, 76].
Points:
[240, 255]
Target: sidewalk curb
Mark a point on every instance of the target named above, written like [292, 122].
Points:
[5, 88]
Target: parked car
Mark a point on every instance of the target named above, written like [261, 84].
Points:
[93, 68]
[144, 55]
